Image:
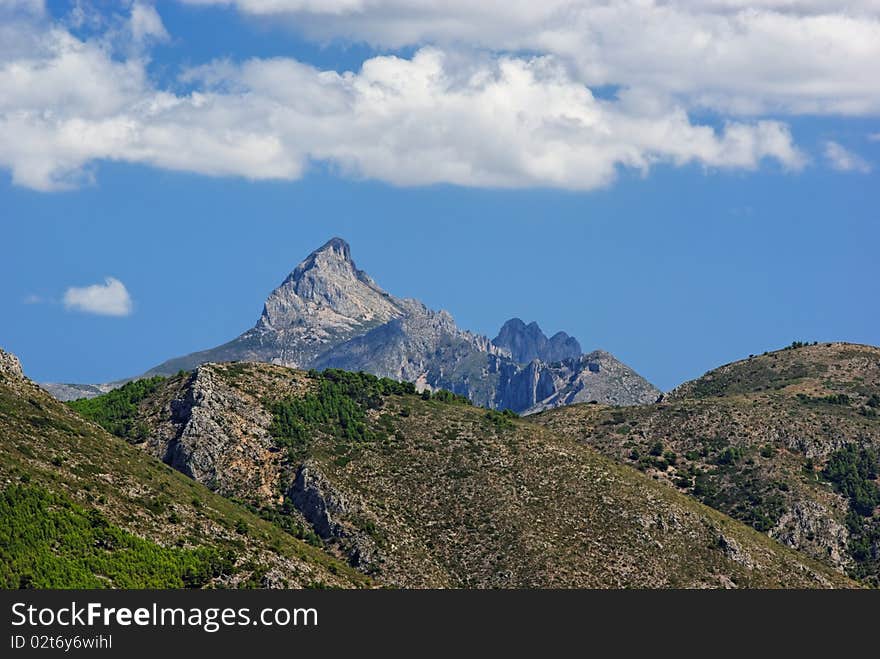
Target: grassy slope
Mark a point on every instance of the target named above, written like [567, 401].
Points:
[468, 503]
[751, 438]
[447, 495]
[825, 368]
[83, 469]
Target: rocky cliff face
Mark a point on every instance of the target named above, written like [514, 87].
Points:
[217, 434]
[329, 314]
[595, 377]
[424, 346]
[324, 301]
[49, 449]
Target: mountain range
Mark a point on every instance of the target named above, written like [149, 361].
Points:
[328, 313]
[251, 475]
[356, 439]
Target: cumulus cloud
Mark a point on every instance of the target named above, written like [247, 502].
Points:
[844, 160]
[437, 117]
[108, 299]
[743, 57]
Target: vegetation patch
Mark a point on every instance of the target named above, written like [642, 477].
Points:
[853, 473]
[833, 399]
[501, 420]
[800, 344]
[116, 411]
[742, 494]
[46, 541]
[337, 407]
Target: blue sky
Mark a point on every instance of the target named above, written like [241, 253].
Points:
[693, 251]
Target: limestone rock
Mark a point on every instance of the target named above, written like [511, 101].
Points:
[10, 365]
[527, 343]
[218, 435]
[811, 527]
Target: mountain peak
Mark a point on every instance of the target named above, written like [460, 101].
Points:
[528, 342]
[327, 313]
[334, 256]
[337, 247]
[326, 292]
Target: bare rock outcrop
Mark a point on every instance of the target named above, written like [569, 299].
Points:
[810, 527]
[10, 365]
[219, 436]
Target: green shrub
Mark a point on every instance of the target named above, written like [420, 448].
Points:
[729, 456]
[501, 420]
[852, 471]
[799, 344]
[445, 396]
[832, 399]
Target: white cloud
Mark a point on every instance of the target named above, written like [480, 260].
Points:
[735, 56]
[439, 117]
[874, 137]
[844, 160]
[36, 7]
[33, 299]
[108, 299]
[146, 24]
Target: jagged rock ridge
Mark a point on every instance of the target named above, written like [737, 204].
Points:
[527, 343]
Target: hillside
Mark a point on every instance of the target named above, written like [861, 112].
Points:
[425, 490]
[327, 313]
[82, 508]
[786, 441]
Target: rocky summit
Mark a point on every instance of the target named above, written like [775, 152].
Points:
[324, 302]
[329, 314]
